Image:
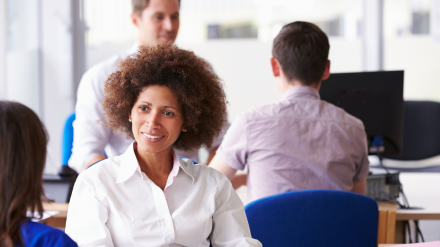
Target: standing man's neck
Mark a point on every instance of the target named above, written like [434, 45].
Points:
[141, 43]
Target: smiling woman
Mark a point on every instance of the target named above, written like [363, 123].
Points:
[191, 80]
[165, 98]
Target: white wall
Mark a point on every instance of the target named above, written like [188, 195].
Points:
[22, 54]
[36, 64]
[2, 50]
[57, 74]
[244, 67]
[419, 56]
[23, 74]
[422, 189]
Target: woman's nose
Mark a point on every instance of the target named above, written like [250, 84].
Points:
[153, 120]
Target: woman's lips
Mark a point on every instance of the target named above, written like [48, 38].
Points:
[152, 138]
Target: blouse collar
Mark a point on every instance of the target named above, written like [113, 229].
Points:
[129, 165]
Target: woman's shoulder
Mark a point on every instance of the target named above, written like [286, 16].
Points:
[102, 168]
[37, 234]
[102, 172]
[204, 173]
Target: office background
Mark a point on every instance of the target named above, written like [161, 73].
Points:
[46, 46]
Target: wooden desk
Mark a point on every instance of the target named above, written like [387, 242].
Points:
[386, 230]
[390, 229]
[435, 243]
[387, 245]
[430, 211]
[58, 220]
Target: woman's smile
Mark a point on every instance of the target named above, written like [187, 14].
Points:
[153, 138]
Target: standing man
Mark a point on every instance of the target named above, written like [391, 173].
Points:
[301, 142]
[157, 22]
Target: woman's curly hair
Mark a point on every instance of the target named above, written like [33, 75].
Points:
[198, 89]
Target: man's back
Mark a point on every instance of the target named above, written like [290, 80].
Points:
[298, 143]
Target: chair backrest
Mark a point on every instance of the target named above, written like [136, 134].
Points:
[67, 145]
[314, 218]
[421, 131]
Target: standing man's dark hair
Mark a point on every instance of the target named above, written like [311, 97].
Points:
[23, 142]
[139, 6]
[302, 50]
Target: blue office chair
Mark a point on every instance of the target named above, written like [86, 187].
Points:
[66, 151]
[314, 218]
[67, 145]
[421, 136]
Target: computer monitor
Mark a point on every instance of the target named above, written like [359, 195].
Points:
[58, 188]
[376, 98]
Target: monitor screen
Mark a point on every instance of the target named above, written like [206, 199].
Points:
[376, 98]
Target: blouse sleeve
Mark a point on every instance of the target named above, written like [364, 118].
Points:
[87, 216]
[230, 225]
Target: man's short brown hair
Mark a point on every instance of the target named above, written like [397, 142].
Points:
[302, 50]
[140, 5]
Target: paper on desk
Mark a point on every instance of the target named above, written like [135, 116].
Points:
[426, 244]
[46, 214]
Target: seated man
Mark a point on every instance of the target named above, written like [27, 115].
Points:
[301, 142]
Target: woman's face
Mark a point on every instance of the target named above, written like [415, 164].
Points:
[157, 119]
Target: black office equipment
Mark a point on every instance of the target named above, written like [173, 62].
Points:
[58, 188]
[376, 98]
[422, 136]
[383, 185]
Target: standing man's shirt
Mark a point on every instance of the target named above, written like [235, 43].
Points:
[90, 137]
[298, 143]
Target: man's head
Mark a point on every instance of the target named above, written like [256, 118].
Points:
[300, 54]
[157, 20]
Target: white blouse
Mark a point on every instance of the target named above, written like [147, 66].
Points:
[114, 204]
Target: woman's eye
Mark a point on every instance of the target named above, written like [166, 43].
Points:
[168, 113]
[143, 108]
